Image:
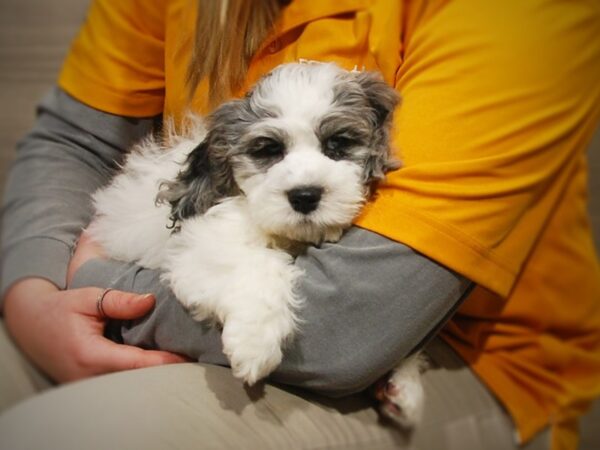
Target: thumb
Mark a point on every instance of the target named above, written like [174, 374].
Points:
[115, 304]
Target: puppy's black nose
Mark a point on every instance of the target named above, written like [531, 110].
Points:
[305, 199]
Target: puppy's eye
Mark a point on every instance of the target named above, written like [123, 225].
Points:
[336, 146]
[267, 149]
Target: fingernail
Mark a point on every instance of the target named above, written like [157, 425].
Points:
[146, 296]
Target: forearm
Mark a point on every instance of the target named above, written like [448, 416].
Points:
[369, 302]
[71, 151]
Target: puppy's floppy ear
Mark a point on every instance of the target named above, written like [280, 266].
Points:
[206, 179]
[383, 100]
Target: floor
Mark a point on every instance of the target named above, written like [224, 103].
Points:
[34, 37]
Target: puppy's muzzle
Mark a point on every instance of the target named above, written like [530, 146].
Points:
[305, 199]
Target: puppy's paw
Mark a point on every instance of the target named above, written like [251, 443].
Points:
[252, 368]
[200, 314]
[253, 355]
[402, 401]
[402, 395]
[333, 234]
[197, 311]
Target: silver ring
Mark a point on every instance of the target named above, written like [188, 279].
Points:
[99, 301]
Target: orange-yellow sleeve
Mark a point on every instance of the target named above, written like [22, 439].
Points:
[499, 102]
[116, 62]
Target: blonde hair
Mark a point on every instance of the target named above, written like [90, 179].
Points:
[228, 34]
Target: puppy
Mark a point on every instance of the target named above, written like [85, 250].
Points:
[289, 165]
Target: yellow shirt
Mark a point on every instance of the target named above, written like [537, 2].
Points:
[500, 100]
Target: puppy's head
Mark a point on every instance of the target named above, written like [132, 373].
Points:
[305, 147]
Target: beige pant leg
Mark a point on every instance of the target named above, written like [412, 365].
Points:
[19, 379]
[460, 412]
[194, 406]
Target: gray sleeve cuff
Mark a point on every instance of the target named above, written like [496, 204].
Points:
[40, 257]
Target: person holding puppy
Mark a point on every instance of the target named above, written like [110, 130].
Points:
[485, 224]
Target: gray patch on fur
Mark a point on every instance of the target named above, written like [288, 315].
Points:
[246, 158]
[208, 176]
[366, 103]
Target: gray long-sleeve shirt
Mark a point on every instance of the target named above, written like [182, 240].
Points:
[369, 300]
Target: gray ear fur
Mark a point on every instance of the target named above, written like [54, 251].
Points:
[383, 100]
[208, 176]
[206, 179]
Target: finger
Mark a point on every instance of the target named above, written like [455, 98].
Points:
[125, 305]
[113, 304]
[112, 357]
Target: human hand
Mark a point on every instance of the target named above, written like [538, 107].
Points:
[85, 250]
[62, 331]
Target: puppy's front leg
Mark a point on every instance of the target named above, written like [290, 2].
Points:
[219, 268]
[260, 314]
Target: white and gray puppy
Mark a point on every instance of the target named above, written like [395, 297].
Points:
[291, 164]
